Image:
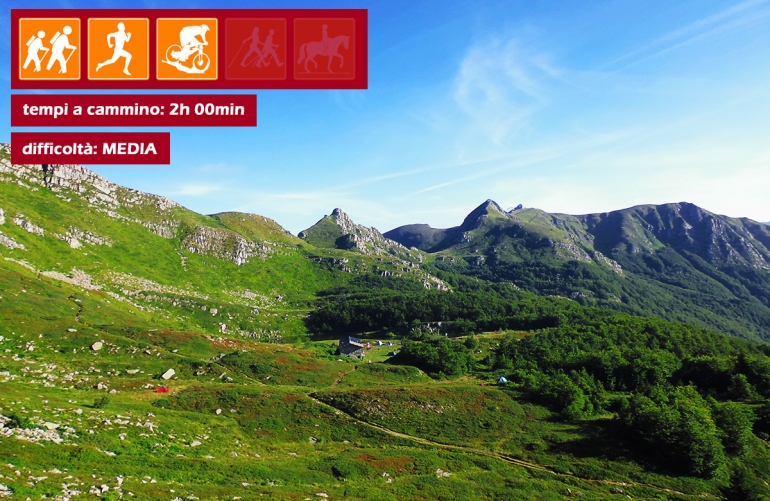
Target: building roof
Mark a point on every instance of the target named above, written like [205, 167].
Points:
[351, 340]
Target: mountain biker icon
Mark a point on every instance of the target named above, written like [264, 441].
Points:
[186, 48]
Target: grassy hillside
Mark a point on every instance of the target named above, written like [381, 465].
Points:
[250, 419]
[105, 290]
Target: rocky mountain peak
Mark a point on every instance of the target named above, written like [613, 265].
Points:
[474, 219]
[343, 220]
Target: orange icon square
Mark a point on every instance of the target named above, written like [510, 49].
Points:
[324, 49]
[255, 49]
[118, 49]
[49, 49]
[186, 49]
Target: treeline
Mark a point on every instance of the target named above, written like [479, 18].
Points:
[693, 398]
[676, 287]
[386, 304]
[438, 356]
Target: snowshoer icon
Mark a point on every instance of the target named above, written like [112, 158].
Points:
[120, 38]
[35, 45]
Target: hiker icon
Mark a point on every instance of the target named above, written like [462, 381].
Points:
[34, 45]
[49, 48]
[327, 46]
[189, 45]
[261, 55]
[120, 38]
[59, 43]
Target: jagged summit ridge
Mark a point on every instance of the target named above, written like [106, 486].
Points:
[644, 228]
[337, 230]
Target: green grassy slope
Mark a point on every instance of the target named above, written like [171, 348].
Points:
[227, 272]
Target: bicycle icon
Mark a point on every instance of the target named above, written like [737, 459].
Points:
[179, 55]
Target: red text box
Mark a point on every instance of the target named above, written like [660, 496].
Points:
[90, 148]
[155, 110]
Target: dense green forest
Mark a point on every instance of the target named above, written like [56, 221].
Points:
[689, 400]
[677, 287]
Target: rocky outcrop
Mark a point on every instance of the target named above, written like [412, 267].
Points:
[614, 265]
[76, 238]
[9, 242]
[223, 244]
[165, 229]
[27, 225]
[338, 230]
[91, 186]
[76, 277]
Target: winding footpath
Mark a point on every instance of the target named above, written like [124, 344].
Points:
[502, 457]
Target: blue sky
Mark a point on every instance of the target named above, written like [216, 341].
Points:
[575, 108]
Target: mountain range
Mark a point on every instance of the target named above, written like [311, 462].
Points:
[676, 261]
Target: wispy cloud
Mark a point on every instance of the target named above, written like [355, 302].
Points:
[197, 190]
[500, 84]
[727, 19]
[217, 168]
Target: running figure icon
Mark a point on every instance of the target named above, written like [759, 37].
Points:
[120, 38]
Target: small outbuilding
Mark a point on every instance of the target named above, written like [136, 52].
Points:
[352, 347]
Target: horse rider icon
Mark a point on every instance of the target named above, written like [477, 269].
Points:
[325, 39]
[60, 42]
[327, 46]
[35, 45]
[121, 38]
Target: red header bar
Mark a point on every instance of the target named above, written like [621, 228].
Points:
[90, 148]
[189, 49]
[153, 110]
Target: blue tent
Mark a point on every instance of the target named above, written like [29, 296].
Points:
[501, 380]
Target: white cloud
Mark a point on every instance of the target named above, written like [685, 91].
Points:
[500, 84]
[197, 190]
[217, 168]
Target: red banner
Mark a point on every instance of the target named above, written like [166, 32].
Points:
[189, 49]
[154, 110]
[90, 148]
